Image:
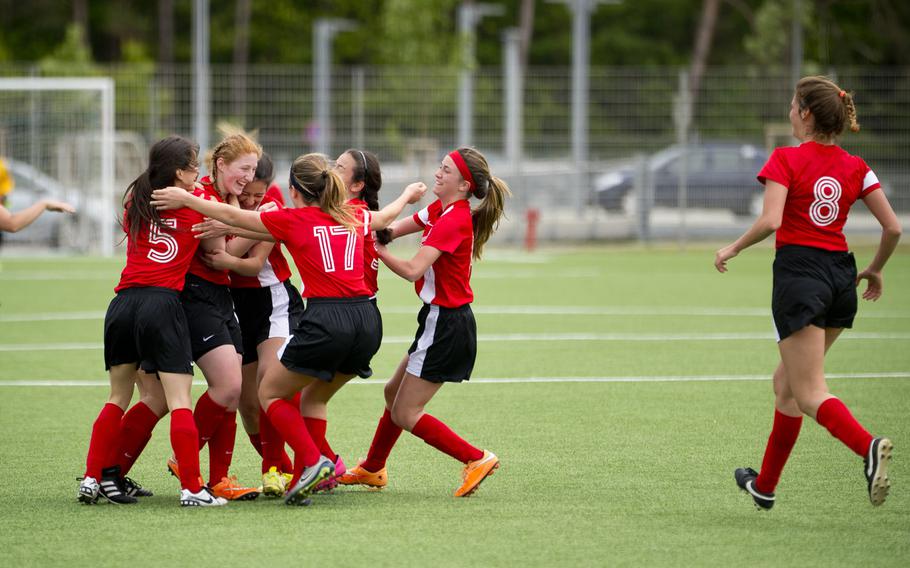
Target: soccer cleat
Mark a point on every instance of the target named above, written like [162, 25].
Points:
[878, 458]
[475, 472]
[287, 478]
[133, 489]
[229, 489]
[273, 483]
[88, 491]
[172, 467]
[308, 481]
[332, 482]
[111, 487]
[360, 476]
[745, 479]
[203, 498]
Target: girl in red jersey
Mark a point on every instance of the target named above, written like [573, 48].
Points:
[445, 346]
[214, 332]
[340, 330]
[360, 172]
[268, 307]
[809, 190]
[145, 325]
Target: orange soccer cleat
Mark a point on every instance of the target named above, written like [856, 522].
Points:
[229, 489]
[475, 472]
[359, 476]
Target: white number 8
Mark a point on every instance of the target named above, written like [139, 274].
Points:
[825, 209]
[156, 237]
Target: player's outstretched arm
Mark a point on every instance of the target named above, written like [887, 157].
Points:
[175, 198]
[878, 204]
[413, 269]
[385, 216]
[14, 222]
[766, 224]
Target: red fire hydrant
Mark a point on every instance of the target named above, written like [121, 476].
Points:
[532, 216]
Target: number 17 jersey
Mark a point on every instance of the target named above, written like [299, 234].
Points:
[328, 256]
[161, 255]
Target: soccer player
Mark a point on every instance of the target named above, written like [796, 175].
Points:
[214, 331]
[268, 307]
[340, 330]
[809, 190]
[360, 172]
[145, 326]
[445, 345]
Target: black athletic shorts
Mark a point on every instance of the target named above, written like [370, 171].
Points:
[812, 286]
[335, 335]
[210, 313]
[147, 326]
[445, 347]
[263, 313]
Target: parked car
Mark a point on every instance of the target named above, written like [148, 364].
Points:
[719, 175]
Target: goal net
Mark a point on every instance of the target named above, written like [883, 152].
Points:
[57, 142]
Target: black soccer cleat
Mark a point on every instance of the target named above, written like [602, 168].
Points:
[745, 479]
[133, 489]
[878, 458]
[112, 487]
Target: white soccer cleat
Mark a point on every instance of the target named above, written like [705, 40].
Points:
[203, 498]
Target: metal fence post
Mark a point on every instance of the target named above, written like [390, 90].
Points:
[682, 116]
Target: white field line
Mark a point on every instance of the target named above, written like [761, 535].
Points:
[635, 337]
[529, 380]
[681, 311]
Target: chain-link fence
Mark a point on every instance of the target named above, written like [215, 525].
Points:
[645, 176]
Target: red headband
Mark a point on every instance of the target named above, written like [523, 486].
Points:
[463, 168]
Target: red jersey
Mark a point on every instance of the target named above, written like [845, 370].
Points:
[161, 255]
[370, 254]
[197, 267]
[274, 271]
[823, 182]
[328, 256]
[274, 193]
[447, 282]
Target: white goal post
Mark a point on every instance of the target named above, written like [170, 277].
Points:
[62, 129]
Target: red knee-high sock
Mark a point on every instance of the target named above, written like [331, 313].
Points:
[185, 442]
[273, 454]
[317, 427]
[221, 448]
[441, 437]
[104, 435]
[135, 432]
[387, 433]
[287, 420]
[295, 400]
[208, 415]
[835, 416]
[783, 436]
[256, 441]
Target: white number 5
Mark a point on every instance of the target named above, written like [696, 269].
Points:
[322, 235]
[156, 237]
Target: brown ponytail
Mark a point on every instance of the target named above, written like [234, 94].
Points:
[832, 108]
[492, 193]
[317, 184]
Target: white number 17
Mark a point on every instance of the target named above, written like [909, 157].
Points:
[322, 235]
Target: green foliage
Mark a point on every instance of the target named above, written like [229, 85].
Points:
[71, 58]
[418, 32]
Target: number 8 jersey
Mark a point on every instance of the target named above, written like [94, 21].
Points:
[161, 255]
[823, 182]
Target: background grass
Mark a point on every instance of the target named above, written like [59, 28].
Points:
[605, 473]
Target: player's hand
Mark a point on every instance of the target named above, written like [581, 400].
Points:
[211, 228]
[218, 259]
[270, 206]
[415, 191]
[875, 283]
[169, 198]
[722, 256]
[61, 206]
